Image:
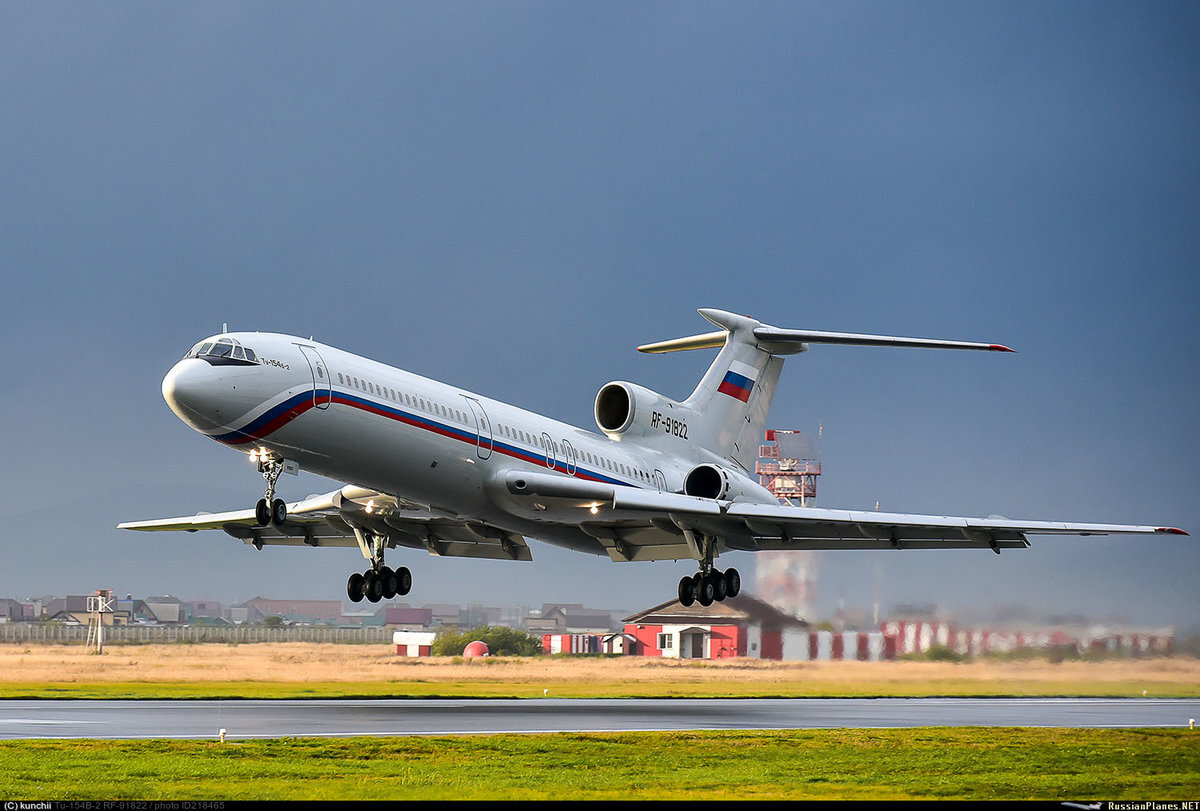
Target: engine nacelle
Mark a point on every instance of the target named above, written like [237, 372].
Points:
[626, 409]
[706, 481]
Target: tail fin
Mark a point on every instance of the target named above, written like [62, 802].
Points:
[729, 406]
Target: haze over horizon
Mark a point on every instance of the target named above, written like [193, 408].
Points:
[510, 198]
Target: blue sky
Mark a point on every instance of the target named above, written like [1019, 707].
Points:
[511, 196]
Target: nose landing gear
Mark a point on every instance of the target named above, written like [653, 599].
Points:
[269, 510]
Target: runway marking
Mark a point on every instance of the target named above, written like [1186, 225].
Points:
[59, 721]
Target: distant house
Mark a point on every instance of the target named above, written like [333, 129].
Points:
[445, 614]
[569, 618]
[207, 612]
[406, 618]
[308, 611]
[168, 610]
[14, 611]
[74, 610]
[246, 614]
[738, 626]
[135, 610]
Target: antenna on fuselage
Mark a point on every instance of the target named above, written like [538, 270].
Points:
[224, 327]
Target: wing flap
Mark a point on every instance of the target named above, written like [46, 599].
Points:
[754, 526]
[330, 519]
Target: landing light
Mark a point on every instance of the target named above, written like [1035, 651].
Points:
[370, 506]
[595, 508]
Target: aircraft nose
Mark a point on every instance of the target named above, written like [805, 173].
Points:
[187, 390]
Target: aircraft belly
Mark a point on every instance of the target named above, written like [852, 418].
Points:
[410, 463]
[353, 446]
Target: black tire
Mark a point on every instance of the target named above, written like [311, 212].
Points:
[733, 582]
[354, 588]
[706, 593]
[389, 582]
[262, 512]
[687, 592]
[403, 581]
[372, 587]
[720, 586]
[278, 512]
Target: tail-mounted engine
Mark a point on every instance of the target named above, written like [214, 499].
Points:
[627, 410]
[706, 481]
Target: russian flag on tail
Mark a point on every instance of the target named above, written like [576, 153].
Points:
[739, 381]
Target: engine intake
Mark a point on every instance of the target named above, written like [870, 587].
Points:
[706, 481]
[614, 407]
[626, 411]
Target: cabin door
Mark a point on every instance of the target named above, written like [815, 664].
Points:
[322, 394]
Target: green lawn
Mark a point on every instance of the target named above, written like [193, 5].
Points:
[930, 763]
[496, 685]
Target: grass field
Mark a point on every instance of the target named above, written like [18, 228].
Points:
[887, 764]
[303, 670]
[926, 764]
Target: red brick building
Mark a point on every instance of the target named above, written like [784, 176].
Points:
[739, 626]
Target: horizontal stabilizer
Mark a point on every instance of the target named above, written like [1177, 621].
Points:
[709, 340]
[784, 337]
[790, 341]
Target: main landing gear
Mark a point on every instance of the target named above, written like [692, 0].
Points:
[383, 584]
[710, 584]
[707, 587]
[269, 510]
[378, 582]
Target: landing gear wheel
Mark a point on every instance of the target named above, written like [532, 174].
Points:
[388, 577]
[706, 592]
[733, 583]
[354, 588]
[403, 581]
[687, 592]
[262, 512]
[372, 587]
[720, 587]
[278, 512]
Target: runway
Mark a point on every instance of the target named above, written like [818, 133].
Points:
[390, 717]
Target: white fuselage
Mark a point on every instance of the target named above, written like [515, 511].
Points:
[362, 422]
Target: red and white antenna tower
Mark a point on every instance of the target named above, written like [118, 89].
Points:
[788, 465]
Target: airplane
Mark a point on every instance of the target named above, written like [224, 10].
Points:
[435, 467]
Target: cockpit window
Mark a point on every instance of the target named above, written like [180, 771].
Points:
[223, 351]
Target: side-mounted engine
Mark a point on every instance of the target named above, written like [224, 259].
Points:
[628, 410]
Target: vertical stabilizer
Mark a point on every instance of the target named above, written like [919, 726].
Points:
[730, 404]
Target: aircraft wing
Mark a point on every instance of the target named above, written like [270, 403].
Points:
[330, 519]
[650, 525]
